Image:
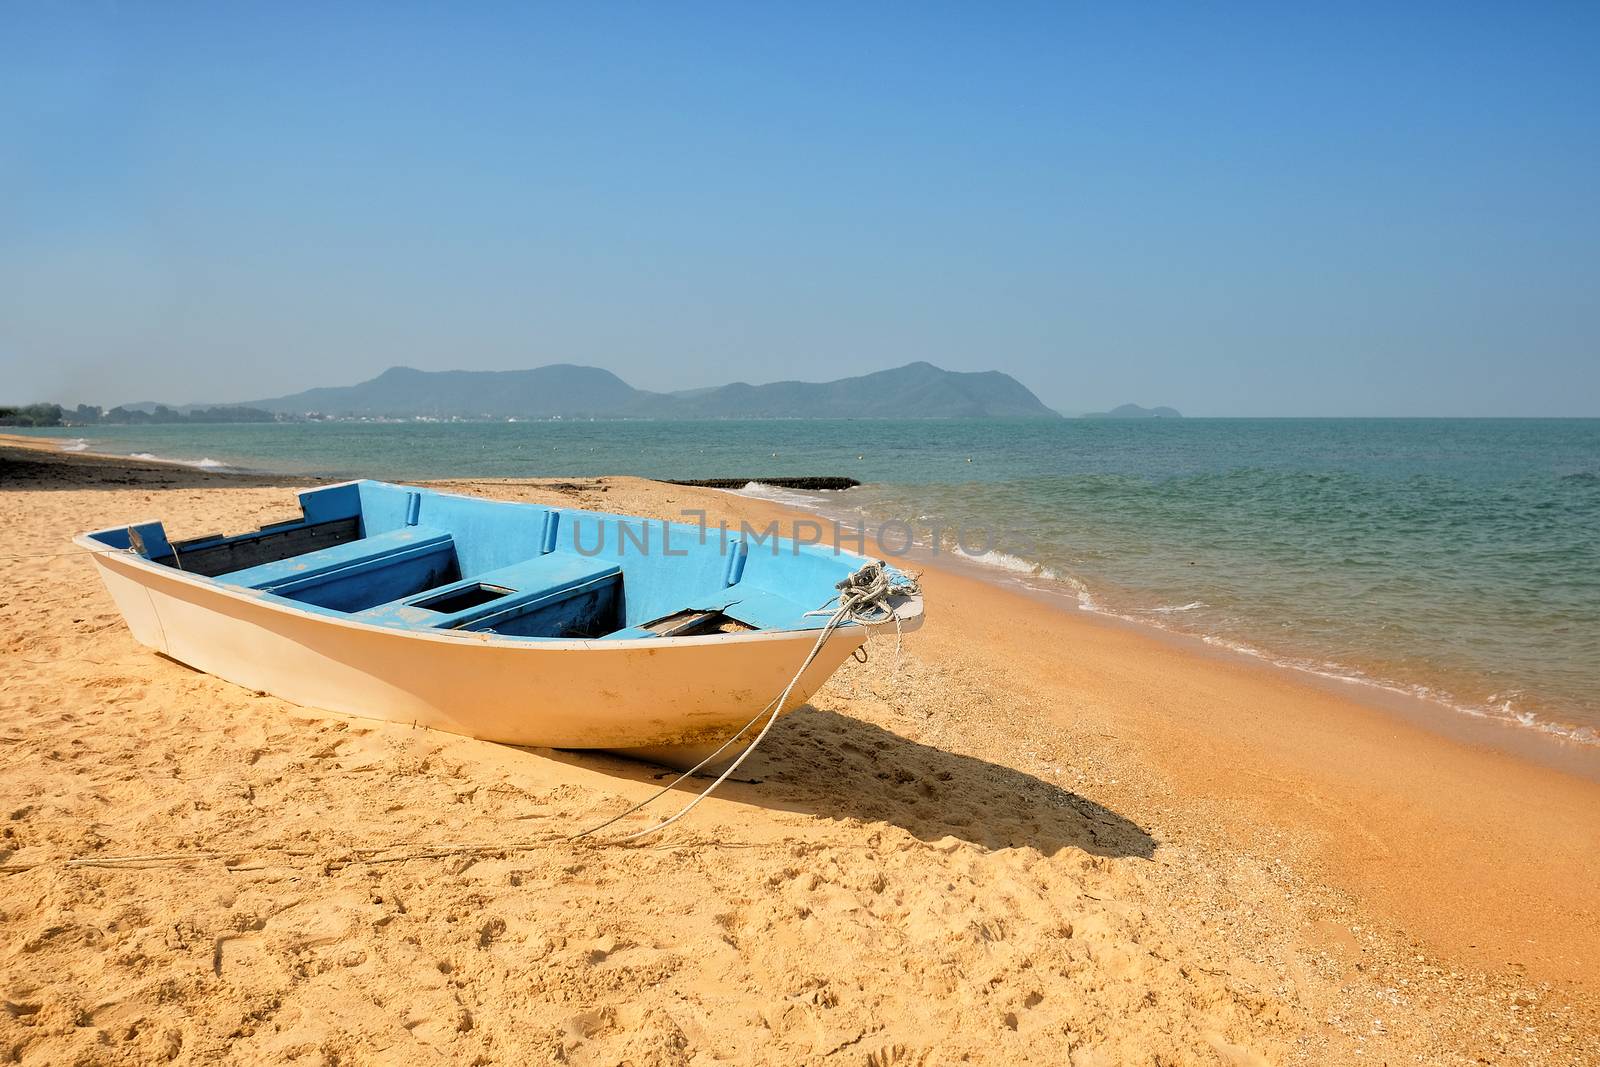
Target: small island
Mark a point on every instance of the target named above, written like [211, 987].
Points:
[1134, 411]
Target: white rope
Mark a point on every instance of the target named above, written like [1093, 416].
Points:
[863, 598]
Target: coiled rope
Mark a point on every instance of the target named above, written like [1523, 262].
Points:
[863, 598]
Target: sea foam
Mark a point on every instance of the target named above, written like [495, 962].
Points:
[206, 463]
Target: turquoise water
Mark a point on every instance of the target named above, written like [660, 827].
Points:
[1455, 558]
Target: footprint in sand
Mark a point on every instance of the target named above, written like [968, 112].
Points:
[490, 932]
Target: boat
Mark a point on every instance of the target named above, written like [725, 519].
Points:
[510, 622]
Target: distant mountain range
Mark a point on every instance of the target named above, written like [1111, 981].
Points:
[1134, 411]
[917, 390]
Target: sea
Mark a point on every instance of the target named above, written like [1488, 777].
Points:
[1457, 560]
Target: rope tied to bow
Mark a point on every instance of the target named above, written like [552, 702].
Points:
[864, 597]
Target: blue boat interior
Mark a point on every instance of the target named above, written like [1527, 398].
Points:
[416, 559]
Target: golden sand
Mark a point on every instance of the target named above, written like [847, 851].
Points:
[1048, 839]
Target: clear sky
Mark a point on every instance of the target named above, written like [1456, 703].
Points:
[1233, 209]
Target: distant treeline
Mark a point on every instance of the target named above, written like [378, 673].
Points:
[93, 415]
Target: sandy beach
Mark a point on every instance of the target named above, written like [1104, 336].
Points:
[1034, 836]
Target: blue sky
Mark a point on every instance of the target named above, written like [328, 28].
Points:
[1234, 209]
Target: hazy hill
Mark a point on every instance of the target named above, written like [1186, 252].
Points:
[559, 389]
[1134, 411]
[917, 390]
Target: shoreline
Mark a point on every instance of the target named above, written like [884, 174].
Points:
[1534, 743]
[204, 465]
[1564, 747]
[88, 460]
[1543, 743]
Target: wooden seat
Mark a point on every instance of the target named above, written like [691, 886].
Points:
[351, 555]
[485, 599]
[357, 574]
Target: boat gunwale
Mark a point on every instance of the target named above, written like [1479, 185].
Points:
[908, 611]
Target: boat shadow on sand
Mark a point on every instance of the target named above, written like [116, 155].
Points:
[830, 765]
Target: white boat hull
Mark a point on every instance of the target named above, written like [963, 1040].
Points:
[669, 699]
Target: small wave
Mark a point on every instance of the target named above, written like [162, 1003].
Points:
[1019, 568]
[788, 497]
[206, 463]
[1238, 647]
[1005, 561]
[1174, 608]
[77, 444]
[1495, 708]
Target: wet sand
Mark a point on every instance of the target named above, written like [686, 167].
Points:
[1044, 838]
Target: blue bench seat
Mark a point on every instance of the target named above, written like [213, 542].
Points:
[482, 601]
[357, 574]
